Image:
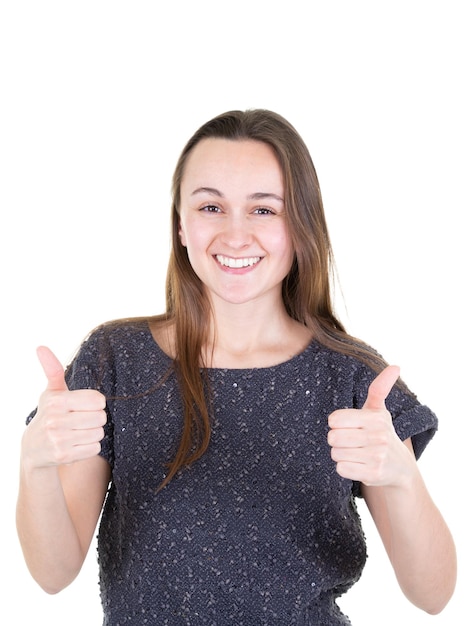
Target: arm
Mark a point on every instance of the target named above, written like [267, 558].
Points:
[366, 448]
[416, 538]
[63, 481]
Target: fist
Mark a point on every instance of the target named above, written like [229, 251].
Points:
[68, 426]
[364, 444]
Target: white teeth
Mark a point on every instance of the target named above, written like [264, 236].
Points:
[237, 263]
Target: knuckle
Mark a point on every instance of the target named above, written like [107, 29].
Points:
[51, 402]
[96, 449]
[59, 454]
[100, 399]
[51, 425]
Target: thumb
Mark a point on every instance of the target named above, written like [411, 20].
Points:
[53, 369]
[380, 387]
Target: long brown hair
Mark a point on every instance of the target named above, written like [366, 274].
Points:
[306, 289]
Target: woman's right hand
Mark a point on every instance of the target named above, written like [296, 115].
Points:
[68, 425]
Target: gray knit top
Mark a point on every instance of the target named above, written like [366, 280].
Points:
[261, 530]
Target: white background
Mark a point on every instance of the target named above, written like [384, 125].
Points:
[96, 101]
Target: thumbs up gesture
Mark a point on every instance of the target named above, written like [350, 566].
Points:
[68, 426]
[364, 443]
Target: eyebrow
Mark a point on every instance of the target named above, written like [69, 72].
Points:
[258, 195]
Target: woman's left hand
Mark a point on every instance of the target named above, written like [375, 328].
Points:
[364, 443]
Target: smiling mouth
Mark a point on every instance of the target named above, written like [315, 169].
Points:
[237, 263]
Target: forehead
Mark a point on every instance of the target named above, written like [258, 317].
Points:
[248, 161]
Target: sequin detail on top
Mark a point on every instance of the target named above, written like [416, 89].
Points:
[261, 530]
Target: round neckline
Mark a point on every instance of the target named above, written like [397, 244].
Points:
[311, 344]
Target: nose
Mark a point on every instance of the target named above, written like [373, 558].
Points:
[237, 233]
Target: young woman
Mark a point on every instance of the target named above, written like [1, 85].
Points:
[225, 441]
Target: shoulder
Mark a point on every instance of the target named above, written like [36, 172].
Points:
[115, 347]
[119, 335]
[352, 373]
[334, 362]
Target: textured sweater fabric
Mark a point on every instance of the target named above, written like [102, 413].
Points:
[261, 530]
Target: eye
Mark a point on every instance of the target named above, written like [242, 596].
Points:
[263, 211]
[210, 208]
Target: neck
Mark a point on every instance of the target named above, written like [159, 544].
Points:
[252, 335]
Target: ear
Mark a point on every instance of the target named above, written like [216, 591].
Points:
[182, 235]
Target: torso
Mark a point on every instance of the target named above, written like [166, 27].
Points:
[260, 530]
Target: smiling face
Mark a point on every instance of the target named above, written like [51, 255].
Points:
[233, 221]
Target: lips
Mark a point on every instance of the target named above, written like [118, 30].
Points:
[237, 263]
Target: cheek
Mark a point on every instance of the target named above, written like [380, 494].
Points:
[283, 243]
[286, 250]
[192, 232]
[194, 240]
